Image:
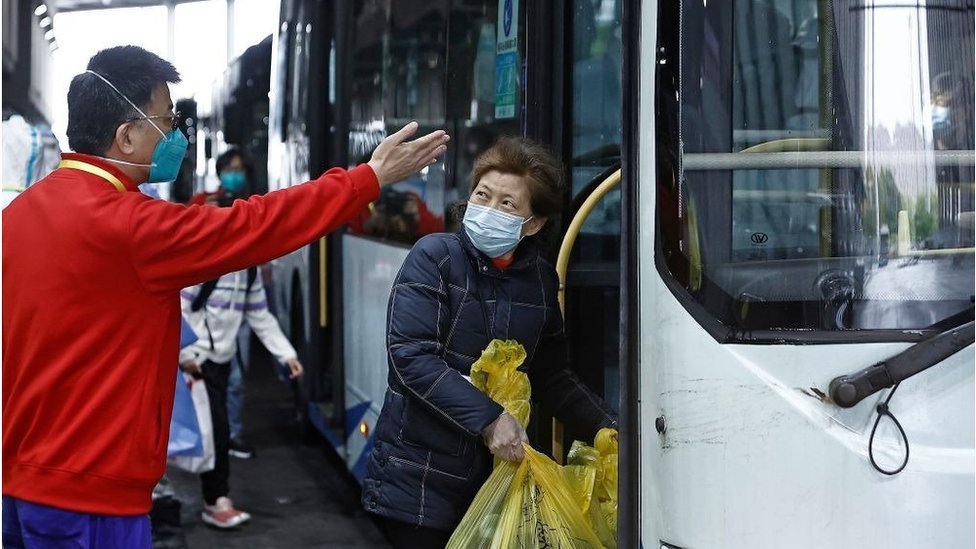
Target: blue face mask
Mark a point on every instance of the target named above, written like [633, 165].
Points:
[169, 152]
[167, 157]
[233, 182]
[493, 232]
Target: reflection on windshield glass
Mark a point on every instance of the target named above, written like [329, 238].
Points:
[827, 178]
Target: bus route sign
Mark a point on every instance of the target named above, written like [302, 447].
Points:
[506, 54]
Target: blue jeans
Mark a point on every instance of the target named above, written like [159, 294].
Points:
[235, 385]
[29, 525]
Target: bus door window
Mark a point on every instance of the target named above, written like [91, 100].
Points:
[596, 126]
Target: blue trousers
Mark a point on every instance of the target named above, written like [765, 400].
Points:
[29, 525]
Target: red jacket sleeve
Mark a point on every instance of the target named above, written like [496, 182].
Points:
[175, 246]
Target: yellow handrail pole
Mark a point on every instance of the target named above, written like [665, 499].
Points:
[323, 284]
[569, 240]
[562, 266]
[792, 144]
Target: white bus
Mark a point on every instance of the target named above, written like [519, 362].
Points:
[790, 241]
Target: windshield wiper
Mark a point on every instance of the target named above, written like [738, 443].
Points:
[846, 391]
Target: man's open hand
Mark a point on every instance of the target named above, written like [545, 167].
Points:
[396, 158]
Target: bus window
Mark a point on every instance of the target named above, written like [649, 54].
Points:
[300, 71]
[471, 67]
[414, 67]
[807, 178]
[397, 76]
[279, 97]
[434, 63]
[366, 79]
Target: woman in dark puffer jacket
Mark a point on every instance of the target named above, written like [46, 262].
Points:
[455, 293]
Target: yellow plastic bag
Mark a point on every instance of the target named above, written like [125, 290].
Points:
[532, 504]
[526, 505]
[496, 375]
[591, 471]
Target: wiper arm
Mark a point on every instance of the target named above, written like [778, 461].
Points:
[846, 391]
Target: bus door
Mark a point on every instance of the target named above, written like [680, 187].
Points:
[587, 132]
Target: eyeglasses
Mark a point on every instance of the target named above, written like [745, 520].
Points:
[174, 118]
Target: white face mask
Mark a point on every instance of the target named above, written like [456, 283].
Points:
[492, 231]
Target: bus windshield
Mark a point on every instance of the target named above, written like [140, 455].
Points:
[816, 164]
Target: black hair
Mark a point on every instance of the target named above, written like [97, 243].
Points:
[95, 110]
[227, 156]
[948, 82]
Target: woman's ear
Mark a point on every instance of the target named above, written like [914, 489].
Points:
[533, 225]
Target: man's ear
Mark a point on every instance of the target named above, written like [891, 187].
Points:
[533, 226]
[123, 140]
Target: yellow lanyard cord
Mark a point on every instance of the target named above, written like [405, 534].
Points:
[94, 170]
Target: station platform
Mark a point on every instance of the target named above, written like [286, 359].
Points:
[298, 495]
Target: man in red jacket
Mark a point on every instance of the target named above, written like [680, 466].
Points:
[92, 271]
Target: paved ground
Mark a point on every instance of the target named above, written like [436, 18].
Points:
[298, 496]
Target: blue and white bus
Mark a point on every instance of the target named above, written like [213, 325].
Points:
[790, 240]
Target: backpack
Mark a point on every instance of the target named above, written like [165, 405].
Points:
[208, 287]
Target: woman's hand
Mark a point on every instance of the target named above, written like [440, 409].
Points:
[504, 438]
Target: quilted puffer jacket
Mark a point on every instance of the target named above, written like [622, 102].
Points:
[448, 301]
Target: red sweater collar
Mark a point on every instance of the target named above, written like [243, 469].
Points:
[502, 264]
[103, 165]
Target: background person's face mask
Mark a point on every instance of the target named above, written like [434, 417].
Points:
[233, 182]
[169, 152]
[492, 231]
[941, 123]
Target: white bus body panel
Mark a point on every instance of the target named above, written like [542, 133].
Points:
[751, 457]
[368, 271]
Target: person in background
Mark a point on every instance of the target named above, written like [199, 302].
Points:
[216, 310]
[92, 271]
[236, 174]
[952, 112]
[30, 152]
[454, 294]
[236, 177]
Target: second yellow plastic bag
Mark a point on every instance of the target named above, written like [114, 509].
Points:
[591, 474]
